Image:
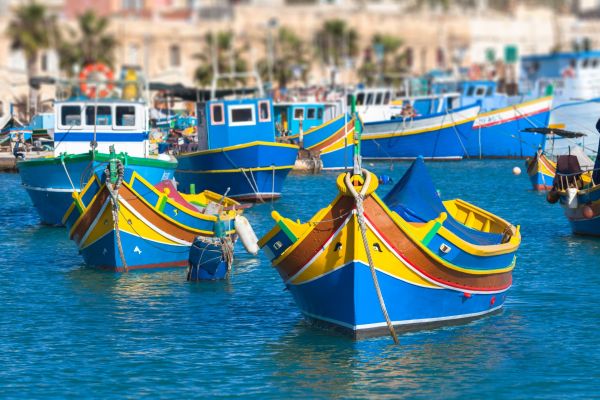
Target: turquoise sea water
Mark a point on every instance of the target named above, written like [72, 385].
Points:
[69, 331]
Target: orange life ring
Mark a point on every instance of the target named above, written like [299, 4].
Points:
[89, 89]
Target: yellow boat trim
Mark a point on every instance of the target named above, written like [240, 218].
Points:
[335, 133]
[237, 147]
[368, 136]
[219, 171]
[341, 143]
[330, 260]
[515, 106]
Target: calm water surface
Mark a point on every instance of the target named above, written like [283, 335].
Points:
[69, 331]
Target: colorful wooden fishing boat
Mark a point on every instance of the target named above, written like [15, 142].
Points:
[237, 152]
[122, 222]
[578, 191]
[429, 262]
[210, 258]
[327, 133]
[541, 171]
[84, 129]
[435, 137]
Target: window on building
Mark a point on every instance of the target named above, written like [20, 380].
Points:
[216, 114]
[311, 113]
[70, 116]
[44, 62]
[175, 56]
[264, 111]
[409, 56]
[103, 115]
[132, 54]
[125, 115]
[241, 115]
[298, 113]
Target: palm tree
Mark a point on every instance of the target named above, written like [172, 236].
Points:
[290, 55]
[93, 43]
[220, 49]
[336, 41]
[31, 30]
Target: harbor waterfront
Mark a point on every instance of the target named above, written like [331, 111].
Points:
[68, 330]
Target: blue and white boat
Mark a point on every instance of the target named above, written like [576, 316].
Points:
[321, 128]
[84, 129]
[434, 137]
[498, 130]
[237, 152]
[573, 79]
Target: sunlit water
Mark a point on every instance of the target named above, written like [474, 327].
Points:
[70, 331]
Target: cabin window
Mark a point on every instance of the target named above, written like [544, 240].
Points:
[103, 115]
[298, 113]
[320, 113]
[386, 99]
[378, 98]
[125, 115]
[264, 111]
[490, 91]
[594, 63]
[369, 100]
[360, 99]
[311, 113]
[470, 91]
[241, 115]
[70, 115]
[585, 62]
[216, 114]
[480, 91]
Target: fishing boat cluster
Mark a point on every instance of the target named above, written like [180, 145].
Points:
[133, 198]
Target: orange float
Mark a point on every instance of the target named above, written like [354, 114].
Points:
[100, 75]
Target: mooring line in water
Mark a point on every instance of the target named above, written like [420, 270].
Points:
[358, 197]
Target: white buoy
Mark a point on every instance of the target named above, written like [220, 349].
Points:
[246, 234]
[517, 171]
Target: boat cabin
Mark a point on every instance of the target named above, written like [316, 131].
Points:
[119, 122]
[471, 92]
[290, 116]
[224, 123]
[575, 75]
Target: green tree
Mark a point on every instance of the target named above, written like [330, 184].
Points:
[32, 30]
[290, 53]
[335, 42]
[92, 44]
[219, 48]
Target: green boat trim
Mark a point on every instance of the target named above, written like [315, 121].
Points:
[100, 157]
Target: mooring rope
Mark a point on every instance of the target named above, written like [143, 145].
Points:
[113, 190]
[359, 197]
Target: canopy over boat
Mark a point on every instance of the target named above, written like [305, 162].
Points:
[415, 199]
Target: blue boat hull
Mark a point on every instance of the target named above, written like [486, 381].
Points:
[346, 299]
[50, 188]
[206, 262]
[338, 159]
[541, 181]
[439, 144]
[139, 253]
[252, 172]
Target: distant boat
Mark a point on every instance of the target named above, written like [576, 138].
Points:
[237, 152]
[327, 133]
[577, 189]
[122, 222]
[435, 137]
[541, 170]
[572, 79]
[83, 130]
[419, 260]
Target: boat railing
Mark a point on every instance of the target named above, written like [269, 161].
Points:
[564, 181]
